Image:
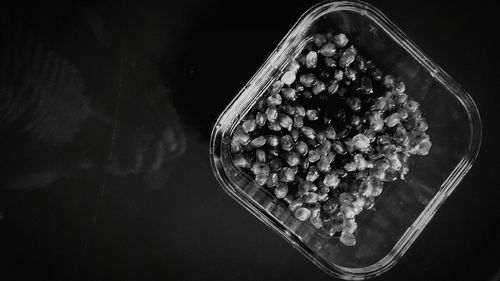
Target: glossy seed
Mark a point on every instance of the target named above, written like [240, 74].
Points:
[331, 180]
[370, 134]
[288, 174]
[376, 144]
[347, 211]
[281, 191]
[292, 159]
[388, 81]
[286, 143]
[261, 179]
[330, 62]
[272, 113]
[316, 222]
[240, 137]
[366, 85]
[300, 110]
[354, 103]
[323, 196]
[273, 140]
[288, 77]
[412, 105]
[276, 164]
[327, 50]
[323, 165]
[299, 87]
[311, 59]
[313, 156]
[330, 133]
[272, 179]
[319, 39]
[260, 155]
[361, 64]
[295, 204]
[377, 74]
[320, 137]
[422, 125]
[288, 198]
[346, 198]
[387, 148]
[382, 164]
[377, 190]
[324, 148]
[340, 40]
[261, 169]
[274, 99]
[394, 161]
[258, 141]
[289, 94]
[379, 104]
[312, 174]
[401, 136]
[318, 88]
[312, 114]
[390, 105]
[401, 98]
[307, 80]
[400, 87]
[273, 151]
[301, 59]
[355, 120]
[347, 129]
[285, 121]
[350, 74]
[298, 121]
[350, 225]
[310, 197]
[289, 109]
[330, 206]
[360, 162]
[242, 161]
[293, 66]
[338, 75]
[347, 57]
[358, 204]
[376, 121]
[235, 147]
[302, 148]
[249, 125]
[360, 142]
[276, 87]
[274, 126]
[302, 213]
[307, 186]
[260, 119]
[295, 134]
[369, 204]
[308, 132]
[350, 166]
[338, 147]
[333, 87]
[392, 120]
[422, 147]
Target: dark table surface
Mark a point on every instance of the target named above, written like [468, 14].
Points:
[179, 224]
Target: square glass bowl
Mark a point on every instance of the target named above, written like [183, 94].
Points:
[405, 207]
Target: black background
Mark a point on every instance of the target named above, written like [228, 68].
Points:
[190, 229]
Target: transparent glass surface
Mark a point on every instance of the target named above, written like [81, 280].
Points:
[405, 207]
